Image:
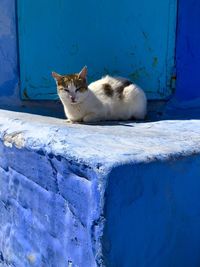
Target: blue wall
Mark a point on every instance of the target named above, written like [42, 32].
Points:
[9, 75]
[156, 223]
[136, 42]
[43, 222]
[188, 52]
[9, 67]
[63, 187]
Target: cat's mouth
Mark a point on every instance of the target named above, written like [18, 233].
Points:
[74, 102]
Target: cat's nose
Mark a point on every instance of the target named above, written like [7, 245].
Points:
[72, 98]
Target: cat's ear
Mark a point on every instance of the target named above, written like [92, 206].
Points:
[83, 73]
[56, 76]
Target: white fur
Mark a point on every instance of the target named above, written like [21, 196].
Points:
[93, 105]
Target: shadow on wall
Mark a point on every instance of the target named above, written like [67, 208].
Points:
[44, 108]
[157, 111]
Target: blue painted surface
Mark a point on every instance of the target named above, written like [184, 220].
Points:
[187, 57]
[188, 53]
[135, 39]
[182, 110]
[46, 209]
[87, 195]
[90, 196]
[9, 76]
[152, 214]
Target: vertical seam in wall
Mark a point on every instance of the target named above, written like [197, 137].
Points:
[176, 39]
[168, 62]
[17, 45]
[167, 51]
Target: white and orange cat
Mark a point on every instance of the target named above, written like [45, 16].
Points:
[110, 98]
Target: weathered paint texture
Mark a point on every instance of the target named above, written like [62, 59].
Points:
[47, 205]
[9, 75]
[187, 50]
[85, 195]
[135, 39]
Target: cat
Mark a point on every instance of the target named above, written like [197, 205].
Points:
[110, 98]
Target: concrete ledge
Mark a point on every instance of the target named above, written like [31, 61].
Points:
[122, 195]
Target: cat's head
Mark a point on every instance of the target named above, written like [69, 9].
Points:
[72, 87]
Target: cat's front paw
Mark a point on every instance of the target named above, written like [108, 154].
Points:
[69, 121]
[73, 122]
[90, 118]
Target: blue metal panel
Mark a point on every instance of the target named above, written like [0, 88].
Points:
[134, 39]
[188, 52]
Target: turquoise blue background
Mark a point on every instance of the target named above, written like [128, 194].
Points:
[135, 39]
[187, 56]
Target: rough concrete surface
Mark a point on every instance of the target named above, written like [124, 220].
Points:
[119, 194]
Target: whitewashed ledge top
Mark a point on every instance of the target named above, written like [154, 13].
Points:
[103, 145]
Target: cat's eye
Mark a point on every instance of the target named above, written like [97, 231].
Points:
[79, 89]
[66, 90]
